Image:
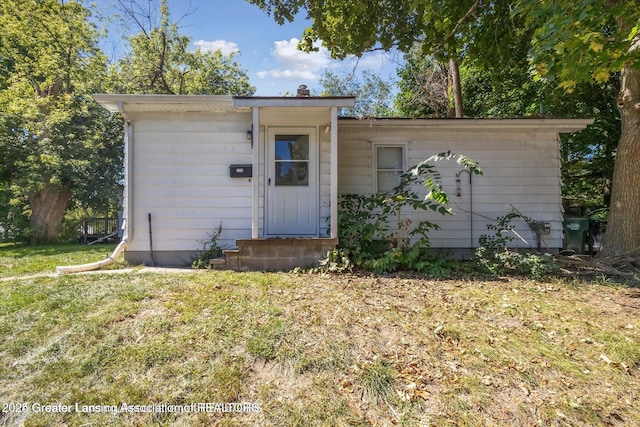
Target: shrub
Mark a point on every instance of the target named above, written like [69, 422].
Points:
[367, 239]
[210, 249]
[494, 257]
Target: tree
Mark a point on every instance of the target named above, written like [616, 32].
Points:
[159, 61]
[373, 95]
[54, 139]
[590, 41]
[496, 86]
[587, 156]
[352, 28]
[423, 88]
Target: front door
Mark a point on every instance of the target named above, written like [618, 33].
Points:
[292, 182]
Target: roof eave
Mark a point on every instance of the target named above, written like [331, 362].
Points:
[559, 125]
[294, 101]
[187, 102]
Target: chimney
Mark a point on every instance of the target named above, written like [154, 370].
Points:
[303, 91]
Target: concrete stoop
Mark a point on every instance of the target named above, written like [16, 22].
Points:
[277, 254]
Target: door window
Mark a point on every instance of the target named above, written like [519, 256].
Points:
[292, 160]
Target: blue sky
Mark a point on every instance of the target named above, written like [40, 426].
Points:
[265, 49]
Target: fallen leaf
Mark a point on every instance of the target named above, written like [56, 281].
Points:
[524, 389]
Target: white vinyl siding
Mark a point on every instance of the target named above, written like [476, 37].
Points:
[522, 170]
[181, 178]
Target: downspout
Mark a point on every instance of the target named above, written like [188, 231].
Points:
[126, 235]
[94, 265]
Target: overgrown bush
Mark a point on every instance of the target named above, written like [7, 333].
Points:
[210, 250]
[494, 257]
[367, 238]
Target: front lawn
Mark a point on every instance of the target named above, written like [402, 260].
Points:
[318, 350]
[17, 259]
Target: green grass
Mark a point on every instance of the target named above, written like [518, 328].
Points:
[17, 259]
[378, 380]
[320, 349]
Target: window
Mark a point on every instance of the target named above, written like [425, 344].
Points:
[389, 166]
[292, 160]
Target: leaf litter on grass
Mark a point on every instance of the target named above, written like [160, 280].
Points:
[325, 349]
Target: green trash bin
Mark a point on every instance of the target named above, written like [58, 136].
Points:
[575, 234]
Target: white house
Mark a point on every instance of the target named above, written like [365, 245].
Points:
[271, 170]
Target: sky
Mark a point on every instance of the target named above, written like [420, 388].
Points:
[266, 50]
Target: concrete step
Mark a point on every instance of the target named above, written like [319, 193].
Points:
[280, 254]
[218, 263]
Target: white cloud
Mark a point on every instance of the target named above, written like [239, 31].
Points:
[375, 61]
[288, 64]
[294, 64]
[227, 48]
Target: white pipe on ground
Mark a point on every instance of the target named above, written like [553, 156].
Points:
[94, 265]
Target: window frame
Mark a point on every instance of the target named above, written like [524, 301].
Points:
[376, 170]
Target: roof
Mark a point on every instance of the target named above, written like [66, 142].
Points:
[213, 103]
[225, 103]
[294, 101]
[167, 103]
[558, 125]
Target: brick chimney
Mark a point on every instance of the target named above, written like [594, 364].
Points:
[303, 91]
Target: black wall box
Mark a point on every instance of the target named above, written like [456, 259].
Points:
[241, 171]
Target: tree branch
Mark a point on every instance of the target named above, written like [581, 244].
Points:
[472, 9]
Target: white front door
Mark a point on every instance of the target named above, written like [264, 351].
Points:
[292, 182]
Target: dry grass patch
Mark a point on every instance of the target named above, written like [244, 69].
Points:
[322, 350]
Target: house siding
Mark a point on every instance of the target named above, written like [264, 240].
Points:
[181, 178]
[522, 171]
[178, 151]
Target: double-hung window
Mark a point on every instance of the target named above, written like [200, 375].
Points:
[389, 166]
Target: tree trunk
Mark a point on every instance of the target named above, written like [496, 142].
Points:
[47, 211]
[623, 225]
[454, 70]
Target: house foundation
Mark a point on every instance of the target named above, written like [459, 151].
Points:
[277, 254]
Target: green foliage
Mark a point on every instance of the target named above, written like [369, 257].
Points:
[374, 232]
[14, 218]
[378, 379]
[361, 220]
[588, 156]
[338, 260]
[159, 62]
[499, 240]
[499, 88]
[373, 95]
[423, 86]
[580, 41]
[494, 256]
[210, 249]
[53, 137]
[355, 27]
